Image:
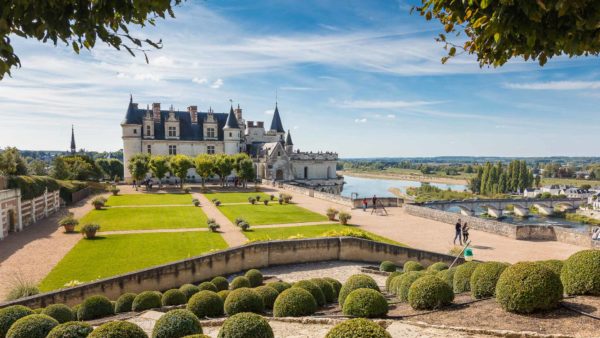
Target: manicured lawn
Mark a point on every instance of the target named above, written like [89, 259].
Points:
[149, 199]
[116, 254]
[274, 213]
[309, 231]
[237, 197]
[143, 218]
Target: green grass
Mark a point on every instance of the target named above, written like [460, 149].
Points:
[274, 213]
[116, 254]
[144, 218]
[569, 181]
[149, 199]
[237, 197]
[310, 231]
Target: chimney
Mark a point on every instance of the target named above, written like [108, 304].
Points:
[193, 110]
[238, 113]
[156, 111]
[260, 124]
[250, 124]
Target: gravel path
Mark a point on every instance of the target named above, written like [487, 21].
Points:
[231, 234]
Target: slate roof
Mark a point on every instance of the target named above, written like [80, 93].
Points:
[288, 139]
[232, 121]
[276, 122]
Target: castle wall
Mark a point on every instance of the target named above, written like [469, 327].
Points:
[316, 169]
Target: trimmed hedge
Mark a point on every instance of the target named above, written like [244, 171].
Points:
[439, 266]
[71, 330]
[528, 287]
[404, 283]
[173, 297]
[208, 286]
[358, 328]
[412, 266]
[60, 312]
[118, 329]
[240, 282]
[389, 279]
[326, 288]
[176, 323]
[95, 307]
[484, 279]
[429, 292]
[280, 286]
[223, 294]
[244, 300]
[189, 290]
[255, 277]
[354, 282]
[246, 325]
[580, 274]
[32, 186]
[366, 303]
[462, 277]
[294, 302]
[335, 283]
[314, 290]
[146, 300]
[124, 302]
[447, 276]
[268, 295]
[11, 314]
[32, 326]
[205, 304]
[220, 282]
[387, 266]
[552, 264]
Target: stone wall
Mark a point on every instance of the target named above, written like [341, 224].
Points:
[385, 201]
[311, 192]
[226, 262]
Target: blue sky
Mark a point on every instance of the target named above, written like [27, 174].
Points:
[362, 78]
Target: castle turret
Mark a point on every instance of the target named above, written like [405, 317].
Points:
[289, 146]
[132, 136]
[276, 125]
[232, 134]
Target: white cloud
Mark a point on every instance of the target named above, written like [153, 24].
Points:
[269, 112]
[363, 120]
[200, 80]
[555, 85]
[217, 84]
[296, 127]
[391, 116]
[147, 76]
[375, 104]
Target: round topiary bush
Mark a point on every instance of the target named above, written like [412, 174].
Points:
[268, 295]
[358, 328]
[209, 286]
[447, 276]
[388, 280]
[462, 277]
[314, 290]
[412, 266]
[239, 282]
[244, 300]
[439, 266]
[387, 266]
[60, 312]
[354, 282]
[206, 304]
[95, 307]
[429, 292]
[11, 314]
[173, 297]
[74, 309]
[146, 300]
[404, 282]
[71, 330]
[124, 302]
[189, 290]
[294, 302]
[255, 277]
[118, 329]
[221, 283]
[366, 303]
[580, 274]
[484, 279]
[280, 286]
[176, 323]
[32, 326]
[527, 287]
[337, 286]
[326, 288]
[552, 264]
[223, 294]
[245, 325]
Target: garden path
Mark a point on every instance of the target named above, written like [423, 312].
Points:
[231, 234]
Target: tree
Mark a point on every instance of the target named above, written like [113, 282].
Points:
[11, 162]
[159, 166]
[246, 172]
[77, 167]
[37, 167]
[223, 167]
[180, 164]
[205, 166]
[138, 167]
[538, 181]
[111, 167]
[497, 31]
[79, 24]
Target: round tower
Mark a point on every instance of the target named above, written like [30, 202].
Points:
[232, 134]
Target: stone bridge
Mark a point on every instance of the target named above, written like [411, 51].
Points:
[495, 207]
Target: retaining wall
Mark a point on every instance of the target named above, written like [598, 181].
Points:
[234, 260]
[310, 192]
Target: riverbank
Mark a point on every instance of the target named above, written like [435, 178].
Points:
[405, 177]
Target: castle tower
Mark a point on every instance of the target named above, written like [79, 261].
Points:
[232, 134]
[289, 146]
[73, 147]
[276, 125]
[132, 137]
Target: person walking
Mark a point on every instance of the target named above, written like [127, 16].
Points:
[465, 232]
[374, 202]
[457, 234]
[365, 203]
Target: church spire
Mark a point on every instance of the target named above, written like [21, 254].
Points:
[288, 139]
[276, 124]
[73, 148]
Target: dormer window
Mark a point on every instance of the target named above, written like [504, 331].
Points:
[172, 131]
[148, 130]
[210, 132]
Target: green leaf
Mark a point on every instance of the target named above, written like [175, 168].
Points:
[497, 37]
[485, 3]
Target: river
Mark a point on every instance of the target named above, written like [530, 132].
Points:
[367, 187]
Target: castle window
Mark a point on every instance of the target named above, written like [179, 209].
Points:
[149, 147]
[135, 131]
[210, 149]
[172, 150]
[148, 130]
[230, 134]
[210, 132]
[172, 131]
[305, 173]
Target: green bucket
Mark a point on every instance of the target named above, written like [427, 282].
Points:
[468, 254]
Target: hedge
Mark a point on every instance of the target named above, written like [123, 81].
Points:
[221, 283]
[244, 300]
[176, 323]
[294, 302]
[335, 283]
[484, 278]
[205, 304]
[33, 186]
[447, 276]
[279, 286]
[387, 266]
[240, 282]
[189, 290]
[356, 282]
[358, 328]
[173, 297]
[412, 266]
[32, 326]
[439, 266]
[314, 290]
[366, 303]
[429, 292]
[326, 288]
[462, 277]
[580, 274]
[95, 307]
[246, 325]
[268, 295]
[405, 282]
[255, 277]
[124, 302]
[11, 314]
[146, 300]
[118, 329]
[60, 312]
[208, 286]
[71, 330]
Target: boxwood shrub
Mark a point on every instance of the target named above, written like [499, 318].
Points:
[279, 286]
[412, 266]
[388, 280]
[60, 312]
[528, 287]
[462, 277]
[255, 277]
[206, 304]
[358, 327]
[176, 323]
[439, 266]
[173, 297]
[366, 303]
[580, 274]
[394, 284]
[246, 325]
[429, 292]
[484, 279]
[197, 336]
[240, 282]
[118, 329]
[326, 288]
[552, 264]
[447, 276]
[387, 266]
[71, 330]
[335, 283]
[208, 286]
[124, 302]
[314, 290]
[404, 283]
[220, 282]
[223, 294]
[189, 290]
[11, 314]
[32, 326]
[268, 295]
[354, 282]
[146, 300]
[294, 302]
[244, 300]
[95, 307]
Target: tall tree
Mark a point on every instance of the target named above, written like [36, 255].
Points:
[223, 167]
[205, 166]
[11, 162]
[159, 166]
[37, 167]
[138, 167]
[180, 164]
[246, 171]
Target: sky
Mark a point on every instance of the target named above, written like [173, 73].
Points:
[361, 78]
